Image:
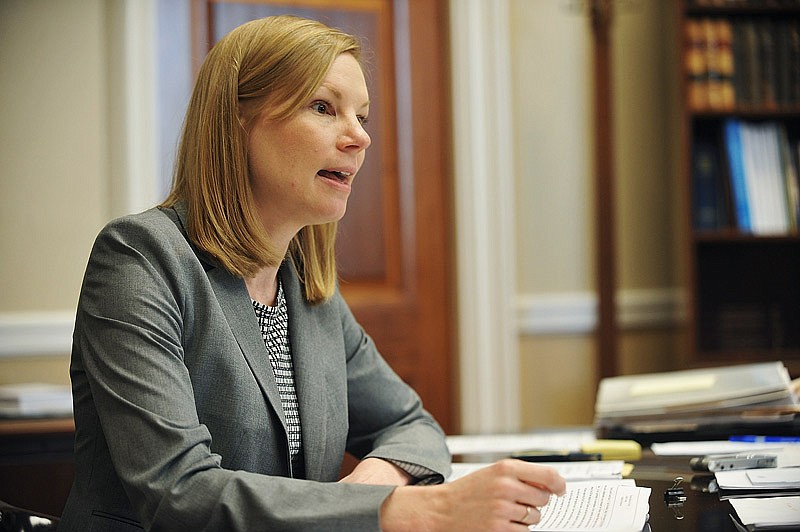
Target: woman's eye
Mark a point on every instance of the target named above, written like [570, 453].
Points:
[320, 107]
[363, 120]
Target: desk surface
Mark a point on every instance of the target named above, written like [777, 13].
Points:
[36, 426]
[701, 512]
[50, 442]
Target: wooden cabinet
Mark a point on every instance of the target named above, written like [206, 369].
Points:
[36, 463]
[740, 138]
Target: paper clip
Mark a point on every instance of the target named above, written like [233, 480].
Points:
[674, 498]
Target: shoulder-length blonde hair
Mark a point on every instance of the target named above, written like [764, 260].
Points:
[272, 65]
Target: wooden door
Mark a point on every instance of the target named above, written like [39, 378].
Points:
[395, 246]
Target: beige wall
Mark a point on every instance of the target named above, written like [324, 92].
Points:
[53, 155]
[552, 84]
[55, 191]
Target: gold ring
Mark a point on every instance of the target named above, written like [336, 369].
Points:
[525, 517]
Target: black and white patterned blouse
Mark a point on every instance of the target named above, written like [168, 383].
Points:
[274, 324]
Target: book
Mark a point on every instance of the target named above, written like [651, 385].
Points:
[774, 179]
[750, 62]
[762, 174]
[766, 58]
[783, 64]
[733, 151]
[791, 174]
[713, 63]
[751, 72]
[708, 192]
[725, 64]
[741, 65]
[695, 65]
[793, 30]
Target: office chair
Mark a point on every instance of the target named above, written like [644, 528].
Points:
[14, 519]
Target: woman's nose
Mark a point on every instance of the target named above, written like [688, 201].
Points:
[356, 136]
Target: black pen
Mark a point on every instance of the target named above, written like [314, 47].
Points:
[556, 456]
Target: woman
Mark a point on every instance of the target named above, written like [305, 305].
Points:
[218, 375]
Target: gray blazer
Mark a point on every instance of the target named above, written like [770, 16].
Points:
[179, 424]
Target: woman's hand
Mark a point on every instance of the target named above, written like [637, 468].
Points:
[505, 496]
[377, 471]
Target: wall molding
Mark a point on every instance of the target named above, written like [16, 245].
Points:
[50, 333]
[576, 312]
[36, 333]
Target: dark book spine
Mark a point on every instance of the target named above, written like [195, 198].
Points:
[793, 31]
[752, 72]
[708, 198]
[769, 71]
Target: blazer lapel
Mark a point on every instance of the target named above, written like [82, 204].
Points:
[307, 350]
[235, 302]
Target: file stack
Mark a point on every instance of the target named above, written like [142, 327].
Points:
[698, 404]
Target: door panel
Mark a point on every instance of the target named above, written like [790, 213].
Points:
[394, 248]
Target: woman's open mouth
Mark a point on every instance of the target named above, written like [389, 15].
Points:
[336, 175]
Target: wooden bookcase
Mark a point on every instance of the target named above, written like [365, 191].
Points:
[740, 79]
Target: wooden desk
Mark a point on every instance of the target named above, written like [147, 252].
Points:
[36, 463]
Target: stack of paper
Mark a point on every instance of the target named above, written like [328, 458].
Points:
[619, 505]
[766, 499]
[774, 513]
[697, 402]
[781, 480]
[597, 498]
[35, 400]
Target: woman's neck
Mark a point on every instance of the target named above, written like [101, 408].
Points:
[263, 286]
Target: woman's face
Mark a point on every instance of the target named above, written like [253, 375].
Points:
[302, 167]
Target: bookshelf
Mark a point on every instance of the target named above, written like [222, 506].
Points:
[740, 146]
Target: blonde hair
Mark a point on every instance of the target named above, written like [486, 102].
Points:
[269, 65]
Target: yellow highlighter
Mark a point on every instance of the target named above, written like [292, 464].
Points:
[614, 449]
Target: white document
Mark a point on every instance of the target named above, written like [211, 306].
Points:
[787, 454]
[768, 511]
[590, 470]
[617, 506]
[510, 443]
[775, 478]
[699, 448]
[782, 477]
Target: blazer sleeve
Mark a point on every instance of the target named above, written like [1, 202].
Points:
[387, 418]
[134, 394]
